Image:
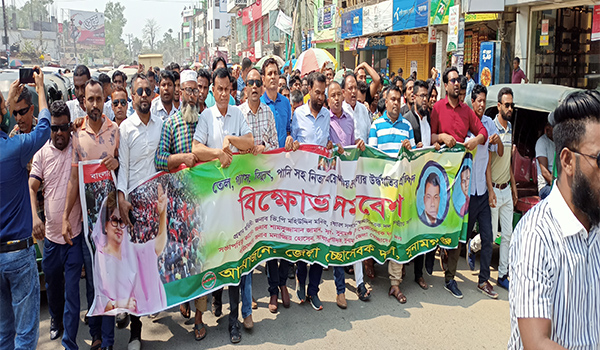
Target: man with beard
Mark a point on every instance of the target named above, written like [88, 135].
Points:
[96, 138]
[389, 134]
[311, 125]
[555, 255]
[451, 120]
[222, 130]
[174, 149]
[357, 111]
[163, 107]
[479, 203]
[139, 135]
[81, 75]
[341, 132]
[373, 87]
[502, 176]
[262, 123]
[409, 96]
[61, 262]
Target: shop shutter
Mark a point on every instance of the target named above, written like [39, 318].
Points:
[397, 57]
[401, 56]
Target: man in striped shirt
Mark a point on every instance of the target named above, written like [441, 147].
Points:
[555, 250]
[390, 133]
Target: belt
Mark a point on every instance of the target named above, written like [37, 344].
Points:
[501, 186]
[12, 246]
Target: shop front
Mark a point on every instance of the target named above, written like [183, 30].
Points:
[412, 53]
[374, 52]
[565, 46]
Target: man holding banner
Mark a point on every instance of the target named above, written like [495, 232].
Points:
[451, 120]
[97, 138]
[222, 130]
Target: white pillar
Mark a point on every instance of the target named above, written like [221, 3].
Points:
[522, 36]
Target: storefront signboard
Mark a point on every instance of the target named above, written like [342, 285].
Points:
[545, 25]
[352, 23]
[439, 11]
[453, 29]
[596, 23]
[431, 34]
[486, 63]
[410, 14]
[362, 42]
[377, 18]
[543, 40]
[412, 39]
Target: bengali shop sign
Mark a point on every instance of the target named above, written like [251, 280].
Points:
[200, 229]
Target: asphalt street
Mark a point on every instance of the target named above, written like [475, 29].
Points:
[431, 319]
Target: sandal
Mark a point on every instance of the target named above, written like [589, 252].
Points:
[185, 310]
[363, 293]
[396, 293]
[96, 343]
[369, 269]
[198, 328]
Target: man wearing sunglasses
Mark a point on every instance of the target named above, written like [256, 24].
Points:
[119, 103]
[451, 120]
[555, 254]
[21, 107]
[262, 122]
[19, 321]
[96, 138]
[221, 131]
[61, 262]
[139, 135]
[163, 107]
[503, 182]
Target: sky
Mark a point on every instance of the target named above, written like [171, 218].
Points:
[166, 12]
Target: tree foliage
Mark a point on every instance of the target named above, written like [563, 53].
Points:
[114, 22]
[150, 31]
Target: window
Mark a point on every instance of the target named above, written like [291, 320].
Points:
[217, 23]
[216, 3]
[209, 25]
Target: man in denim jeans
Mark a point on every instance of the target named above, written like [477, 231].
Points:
[19, 281]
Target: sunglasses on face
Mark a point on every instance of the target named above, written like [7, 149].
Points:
[140, 91]
[509, 105]
[257, 82]
[122, 101]
[117, 222]
[61, 127]
[596, 157]
[21, 111]
[191, 91]
[454, 80]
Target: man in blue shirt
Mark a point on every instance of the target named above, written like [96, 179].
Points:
[241, 81]
[19, 281]
[282, 112]
[311, 125]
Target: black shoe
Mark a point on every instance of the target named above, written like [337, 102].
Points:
[234, 333]
[292, 271]
[56, 329]
[217, 309]
[123, 320]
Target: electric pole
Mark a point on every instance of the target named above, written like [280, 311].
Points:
[5, 38]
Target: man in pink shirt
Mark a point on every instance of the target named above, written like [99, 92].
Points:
[61, 262]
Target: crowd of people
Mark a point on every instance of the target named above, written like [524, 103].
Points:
[178, 117]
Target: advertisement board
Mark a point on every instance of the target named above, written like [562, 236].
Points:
[410, 14]
[377, 18]
[86, 27]
[352, 23]
[486, 63]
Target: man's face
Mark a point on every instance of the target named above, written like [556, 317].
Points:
[118, 81]
[462, 94]
[60, 138]
[286, 93]
[350, 91]
[142, 102]
[399, 84]
[221, 91]
[432, 201]
[152, 82]
[296, 85]
[107, 89]
[282, 83]
[506, 107]
[453, 85]
[79, 83]
[271, 77]
[304, 86]
[190, 93]
[421, 100]
[335, 98]
[203, 86]
[23, 114]
[361, 75]
[166, 91]
[94, 101]
[465, 177]
[176, 91]
[317, 95]
[586, 179]
[408, 95]
[515, 64]
[548, 131]
[329, 75]
[392, 104]
[119, 110]
[479, 105]
[254, 92]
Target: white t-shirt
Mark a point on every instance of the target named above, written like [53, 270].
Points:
[213, 127]
[544, 147]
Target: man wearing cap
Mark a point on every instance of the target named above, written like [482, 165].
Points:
[175, 149]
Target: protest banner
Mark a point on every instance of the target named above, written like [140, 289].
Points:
[200, 229]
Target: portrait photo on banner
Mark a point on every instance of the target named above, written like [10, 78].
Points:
[432, 194]
[461, 186]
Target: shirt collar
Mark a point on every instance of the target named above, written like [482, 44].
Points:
[66, 148]
[268, 100]
[103, 128]
[343, 116]
[569, 225]
[460, 104]
[385, 116]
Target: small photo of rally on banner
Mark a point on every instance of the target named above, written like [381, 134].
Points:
[309, 205]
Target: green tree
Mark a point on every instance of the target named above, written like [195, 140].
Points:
[114, 22]
[150, 31]
[169, 47]
[33, 11]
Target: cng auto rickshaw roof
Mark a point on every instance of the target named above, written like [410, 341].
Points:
[536, 97]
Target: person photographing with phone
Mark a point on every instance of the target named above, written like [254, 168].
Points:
[20, 102]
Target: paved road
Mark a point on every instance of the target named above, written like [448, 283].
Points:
[430, 319]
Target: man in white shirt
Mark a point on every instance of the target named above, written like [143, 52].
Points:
[358, 111]
[222, 130]
[81, 75]
[139, 136]
[163, 107]
[544, 154]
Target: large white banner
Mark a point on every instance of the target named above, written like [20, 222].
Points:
[86, 27]
[378, 18]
